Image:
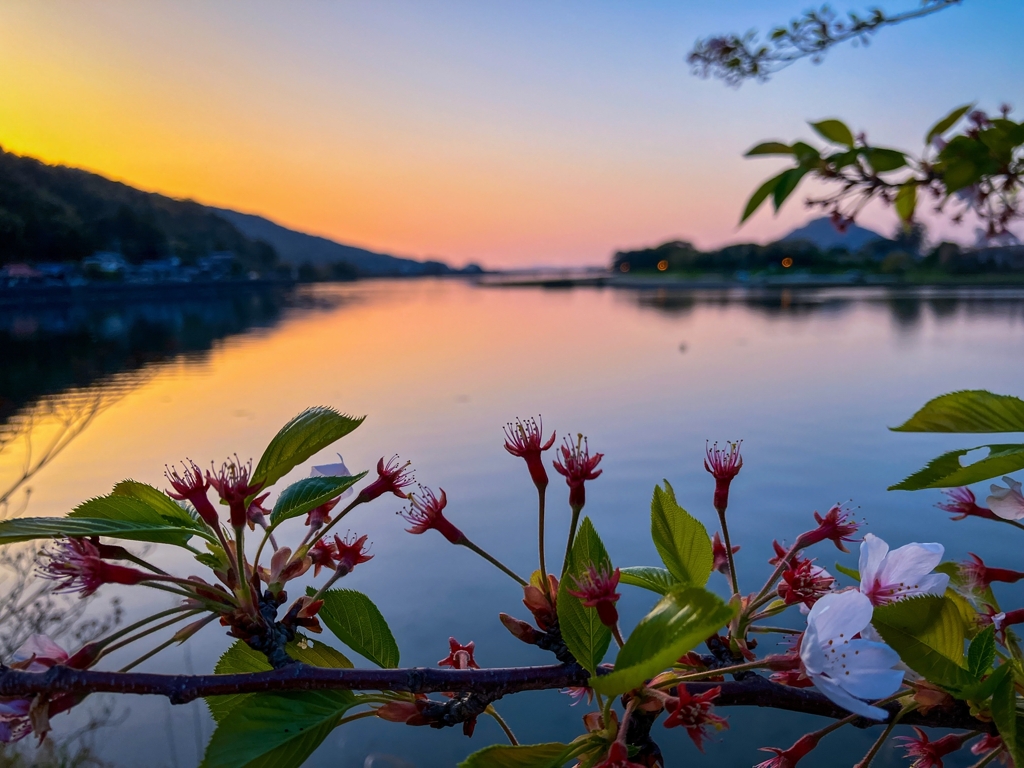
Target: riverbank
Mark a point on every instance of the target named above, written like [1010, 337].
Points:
[590, 279]
[130, 293]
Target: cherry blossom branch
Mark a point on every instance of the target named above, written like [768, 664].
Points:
[494, 683]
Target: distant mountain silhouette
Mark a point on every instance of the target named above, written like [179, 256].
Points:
[823, 234]
[52, 213]
[298, 248]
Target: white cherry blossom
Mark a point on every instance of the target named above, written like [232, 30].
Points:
[846, 668]
[333, 470]
[1007, 503]
[905, 572]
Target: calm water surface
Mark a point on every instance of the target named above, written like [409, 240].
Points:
[809, 382]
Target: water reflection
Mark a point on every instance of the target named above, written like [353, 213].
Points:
[809, 380]
[907, 307]
[55, 349]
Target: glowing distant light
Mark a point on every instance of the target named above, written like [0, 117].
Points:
[662, 265]
[624, 266]
[787, 262]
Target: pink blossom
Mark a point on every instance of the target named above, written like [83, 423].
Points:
[905, 572]
[1007, 503]
[724, 465]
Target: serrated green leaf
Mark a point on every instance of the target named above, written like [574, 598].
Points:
[928, 634]
[982, 652]
[969, 410]
[552, 755]
[947, 122]
[906, 201]
[835, 131]
[682, 619]
[946, 470]
[1008, 721]
[302, 496]
[770, 148]
[584, 634]
[241, 659]
[658, 580]
[759, 197]
[29, 528]
[853, 573]
[276, 730]
[165, 506]
[884, 160]
[308, 433]
[681, 539]
[357, 622]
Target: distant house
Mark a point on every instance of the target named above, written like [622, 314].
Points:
[106, 262]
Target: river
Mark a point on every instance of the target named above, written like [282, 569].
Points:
[809, 381]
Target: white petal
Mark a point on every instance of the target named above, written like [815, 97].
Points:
[869, 672]
[840, 614]
[1005, 503]
[42, 647]
[872, 552]
[1014, 485]
[848, 702]
[932, 584]
[331, 470]
[908, 564]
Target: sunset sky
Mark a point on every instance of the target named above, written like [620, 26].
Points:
[510, 134]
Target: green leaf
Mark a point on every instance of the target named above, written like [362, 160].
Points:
[276, 730]
[160, 502]
[770, 148]
[853, 573]
[299, 498]
[947, 122]
[357, 622]
[241, 659]
[681, 539]
[946, 471]
[906, 201]
[760, 196]
[655, 579]
[928, 634]
[584, 634]
[883, 160]
[682, 619]
[834, 131]
[982, 652]
[551, 755]
[308, 433]
[788, 182]
[1008, 722]
[29, 528]
[969, 410]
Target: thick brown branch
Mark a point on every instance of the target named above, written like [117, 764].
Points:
[754, 690]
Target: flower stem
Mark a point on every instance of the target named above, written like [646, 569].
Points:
[359, 716]
[728, 552]
[866, 761]
[493, 560]
[617, 635]
[694, 676]
[147, 655]
[783, 562]
[328, 584]
[779, 630]
[989, 757]
[504, 726]
[151, 630]
[572, 536]
[139, 624]
[541, 495]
